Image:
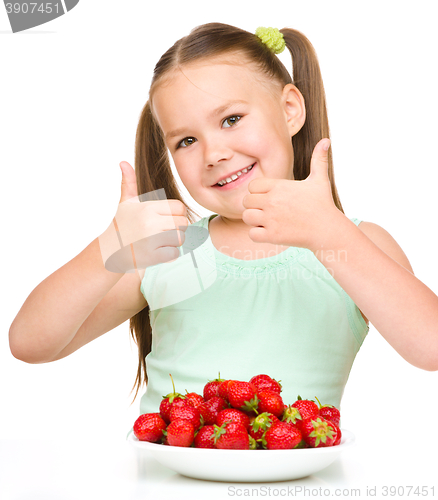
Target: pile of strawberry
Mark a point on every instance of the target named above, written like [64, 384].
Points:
[239, 415]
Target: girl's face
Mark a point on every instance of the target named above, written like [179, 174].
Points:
[219, 119]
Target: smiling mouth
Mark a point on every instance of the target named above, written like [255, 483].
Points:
[234, 177]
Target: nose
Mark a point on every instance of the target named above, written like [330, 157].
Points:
[216, 151]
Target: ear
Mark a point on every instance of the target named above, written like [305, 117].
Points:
[294, 108]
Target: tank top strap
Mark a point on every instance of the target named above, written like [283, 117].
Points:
[356, 221]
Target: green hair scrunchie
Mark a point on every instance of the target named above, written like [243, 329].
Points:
[272, 38]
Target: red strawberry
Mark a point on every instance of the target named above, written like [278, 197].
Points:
[208, 417]
[263, 382]
[211, 388]
[168, 401]
[242, 395]
[307, 409]
[180, 432]
[231, 436]
[281, 436]
[187, 412]
[232, 415]
[329, 412]
[270, 402]
[205, 437]
[194, 399]
[318, 432]
[210, 409]
[216, 404]
[261, 424]
[149, 427]
[291, 415]
[339, 434]
[222, 391]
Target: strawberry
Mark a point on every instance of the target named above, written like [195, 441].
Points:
[329, 412]
[194, 399]
[270, 402]
[281, 436]
[216, 404]
[242, 395]
[291, 415]
[231, 436]
[232, 415]
[180, 432]
[318, 432]
[149, 427]
[263, 382]
[168, 401]
[222, 391]
[339, 435]
[307, 409]
[261, 424]
[208, 417]
[211, 387]
[210, 409]
[187, 412]
[205, 437]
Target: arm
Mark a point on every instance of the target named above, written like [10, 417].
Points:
[368, 264]
[74, 305]
[373, 270]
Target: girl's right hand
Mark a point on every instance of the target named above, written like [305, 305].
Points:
[143, 233]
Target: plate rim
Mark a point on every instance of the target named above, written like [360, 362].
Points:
[348, 439]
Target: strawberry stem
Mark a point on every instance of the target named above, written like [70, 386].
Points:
[173, 385]
[320, 405]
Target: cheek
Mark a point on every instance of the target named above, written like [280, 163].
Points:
[254, 142]
[187, 175]
[272, 146]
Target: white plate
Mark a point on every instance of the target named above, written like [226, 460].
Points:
[245, 465]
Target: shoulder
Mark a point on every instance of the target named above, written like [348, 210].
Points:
[381, 238]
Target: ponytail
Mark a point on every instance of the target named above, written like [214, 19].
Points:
[307, 78]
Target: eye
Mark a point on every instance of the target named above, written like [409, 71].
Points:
[187, 141]
[231, 120]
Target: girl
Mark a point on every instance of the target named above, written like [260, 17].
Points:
[285, 283]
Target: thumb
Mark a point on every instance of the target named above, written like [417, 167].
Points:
[129, 182]
[319, 161]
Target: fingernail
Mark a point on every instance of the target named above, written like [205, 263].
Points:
[326, 145]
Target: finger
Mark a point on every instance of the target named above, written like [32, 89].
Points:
[129, 182]
[319, 161]
[167, 207]
[253, 200]
[261, 185]
[171, 207]
[169, 222]
[253, 217]
[258, 234]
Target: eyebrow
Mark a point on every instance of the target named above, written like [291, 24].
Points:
[215, 112]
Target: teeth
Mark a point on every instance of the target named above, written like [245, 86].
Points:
[235, 176]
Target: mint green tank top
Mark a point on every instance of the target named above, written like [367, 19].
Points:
[284, 316]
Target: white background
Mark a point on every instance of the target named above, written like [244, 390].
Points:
[71, 94]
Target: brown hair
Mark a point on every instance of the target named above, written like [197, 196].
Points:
[151, 159]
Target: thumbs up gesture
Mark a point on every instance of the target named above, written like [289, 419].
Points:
[289, 212]
[129, 182]
[143, 233]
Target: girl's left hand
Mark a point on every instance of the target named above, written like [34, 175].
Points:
[293, 213]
